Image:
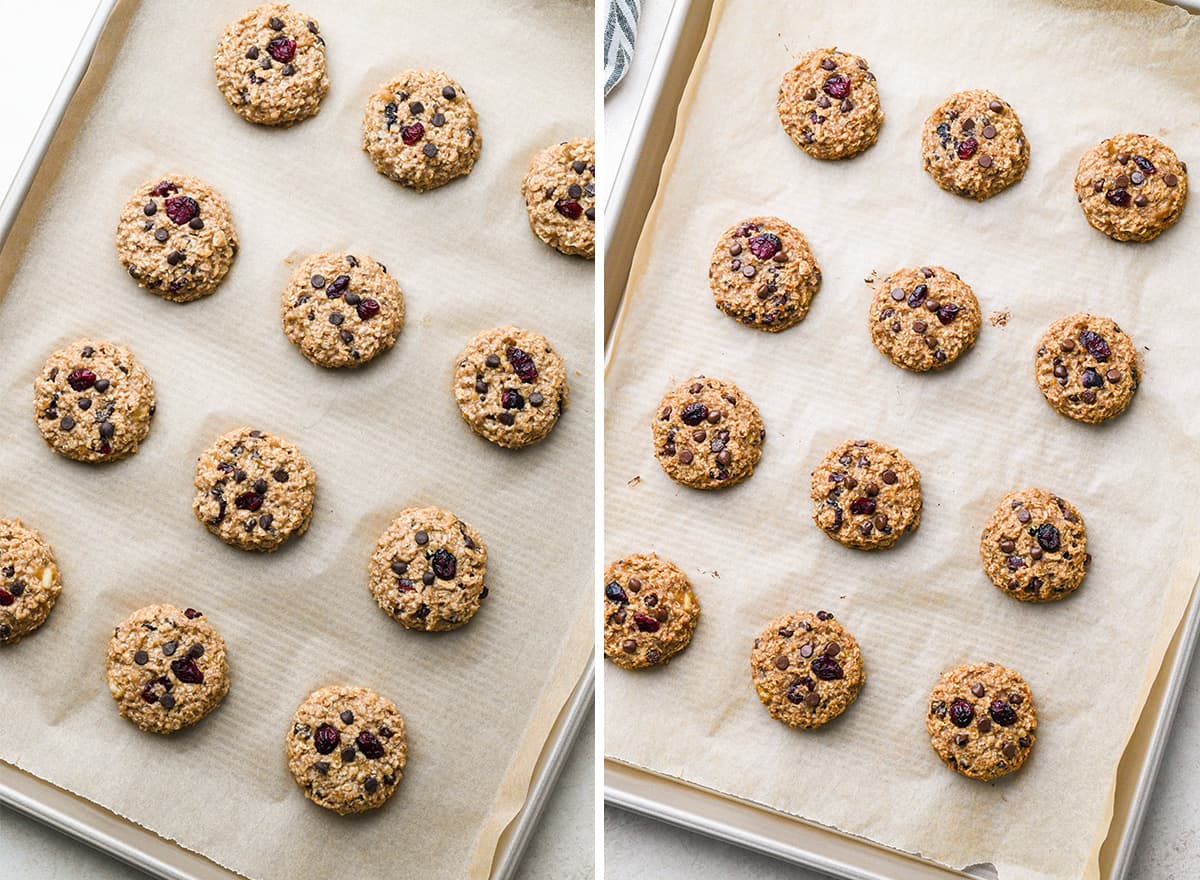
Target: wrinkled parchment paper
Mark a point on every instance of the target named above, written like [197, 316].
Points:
[1076, 72]
[480, 701]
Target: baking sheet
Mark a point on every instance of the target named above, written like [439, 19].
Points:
[480, 701]
[976, 431]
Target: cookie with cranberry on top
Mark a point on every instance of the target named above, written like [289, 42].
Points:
[708, 434]
[560, 196]
[924, 318]
[829, 104]
[763, 274]
[29, 581]
[1087, 368]
[1131, 187]
[650, 611]
[866, 495]
[982, 720]
[1034, 546]
[973, 145]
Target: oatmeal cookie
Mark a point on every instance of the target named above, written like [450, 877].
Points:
[829, 104]
[650, 611]
[866, 495]
[924, 318]
[973, 145]
[1087, 367]
[560, 196]
[982, 720]
[763, 274]
[708, 434]
[1034, 546]
[1131, 187]
[29, 581]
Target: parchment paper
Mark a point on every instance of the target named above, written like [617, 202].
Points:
[1076, 72]
[480, 701]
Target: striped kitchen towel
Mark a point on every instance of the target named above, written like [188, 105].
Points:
[620, 31]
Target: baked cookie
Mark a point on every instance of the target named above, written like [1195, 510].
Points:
[1132, 187]
[421, 130]
[1087, 367]
[650, 611]
[807, 669]
[708, 434]
[166, 668]
[866, 495]
[763, 274]
[93, 401]
[973, 145]
[1034, 547]
[560, 196]
[29, 581]
[981, 720]
[254, 490]
[829, 105]
[428, 569]
[347, 748]
[511, 386]
[270, 65]
[341, 310]
[924, 318]
[176, 237]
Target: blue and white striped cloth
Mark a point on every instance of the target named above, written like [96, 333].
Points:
[620, 31]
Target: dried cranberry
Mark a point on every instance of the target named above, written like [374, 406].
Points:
[1002, 713]
[1145, 164]
[918, 295]
[1119, 197]
[837, 86]
[164, 188]
[826, 668]
[862, 504]
[1095, 345]
[181, 209]
[967, 148]
[947, 313]
[367, 309]
[187, 671]
[796, 692]
[81, 379]
[569, 208]
[1091, 378]
[645, 623]
[6, 598]
[1048, 538]
[248, 501]
[191, 613]
[512, 399]
[410, 134]
[522, 363]
[282, 49]
[326, 739]
[694, 413]
[445, 566]
[369, 745]
[614, 593]
[766, 245]
[961, 713]
[148, 692]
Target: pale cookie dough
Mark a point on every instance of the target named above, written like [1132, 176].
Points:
[924, 318]
[1087, 367]
[93, 401]
[511, 386]
[973, 145]
[1034, 546]
[560, 196]
[829, 105]
[166, 668]
[176, 237]
[763, 274]
[650, 611]
[707, 434]
[981, 720]
[341, 310]
[29, 581]
[807, 669]
[421, 130]
[254, 490]
[347, 749]
[428, 569]
[866, 495]
[270, 65]
[1132, 187]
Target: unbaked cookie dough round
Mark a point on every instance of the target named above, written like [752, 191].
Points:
[1131, 187]
[560, 196]
[254, 490]
[923, 318]
[341, 310]
[176, 237]
[764, 274]
[29, 581]
[866, 495]
[270, 65]
[982, 720]
[428, 569]
[1087, 367]
[650, 611]
[511, 386]
[93, 401]
[708, 434]
[421, 130]
[973, 145]
[166, 668]
[1034, 546]
[807, 669]
[347, 749]
[829, 105]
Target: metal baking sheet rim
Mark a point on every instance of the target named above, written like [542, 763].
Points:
[125, 840]
[738, 822]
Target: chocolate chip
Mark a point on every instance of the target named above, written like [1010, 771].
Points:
[67, 423]
[281, 475]
[493, 361]
[422, 538]
[141, 658]
[629, 646]
[977, 689]
[161, 234]
[416, 108]
[252, 52]
[1009, 750]
[985, 161]
[371, 784]
[781, 662]
[167, 701]
[1023, 515]
[438, 120]
[989, 131]
[1141, 201]
[995, 106]
[275, 23]
[196, 651]
[348, 754]
[985, 725]
[169, 648]
[888, 476]
[448, 93]
[575, 191]
[1170, 180]
[317, 281]
[260, 486]
[289, 69]
[347, 717]
[336, 319]
[685, 456]
[829, 64]
[430, 150]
